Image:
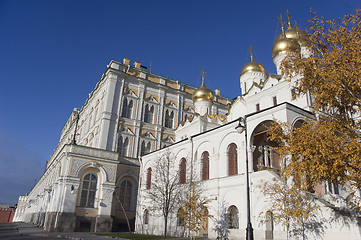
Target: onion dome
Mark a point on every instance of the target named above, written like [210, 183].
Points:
[282, 44]
[301, 36]
[298, 35]
[202, 94]
[253, 67]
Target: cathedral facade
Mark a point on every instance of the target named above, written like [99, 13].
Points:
[91, 179]
[210, 152]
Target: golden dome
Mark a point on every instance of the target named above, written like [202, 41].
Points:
[202, 93]
[301, 36]
[252, 67]
[298, 35]
[283, 43]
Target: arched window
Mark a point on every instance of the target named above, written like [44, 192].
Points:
[180, 218]
[232, 159]
[120, 144]
[151, 114]
[146, 216]
[264, 155]
[233, 217]
[269, 225]
[182, 171]
[125, 194]
[89, 187]
[142, 148]
[148, 149]
[169, 115]
[149, 177]
[130, 108]
[146, 114]
[123, 146]
[125, 107]
[205, 165]
[145, 148]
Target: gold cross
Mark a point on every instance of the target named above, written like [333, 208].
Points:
[280, 18]
[203, 73]
[288, 17]
[251, 52]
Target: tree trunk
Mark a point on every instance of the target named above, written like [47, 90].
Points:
[165, 225]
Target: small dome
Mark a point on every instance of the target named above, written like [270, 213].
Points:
[282, 44]
[202, 93]
[253, 67]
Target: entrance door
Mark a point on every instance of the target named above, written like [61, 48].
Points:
[205, 223]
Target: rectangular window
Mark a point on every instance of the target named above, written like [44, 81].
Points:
[257, 107]
[274, 101]
[293, 93]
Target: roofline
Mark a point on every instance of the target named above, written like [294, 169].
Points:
[237, 119]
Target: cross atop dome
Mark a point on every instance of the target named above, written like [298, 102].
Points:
[251, 51]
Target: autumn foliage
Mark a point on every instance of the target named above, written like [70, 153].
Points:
[326, 148]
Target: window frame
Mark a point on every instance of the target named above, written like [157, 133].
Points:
[95, 191]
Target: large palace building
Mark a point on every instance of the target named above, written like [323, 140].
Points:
[91, 179]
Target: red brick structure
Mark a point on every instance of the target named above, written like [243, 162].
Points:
[6, 215]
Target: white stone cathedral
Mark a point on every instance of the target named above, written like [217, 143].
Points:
[210, 150]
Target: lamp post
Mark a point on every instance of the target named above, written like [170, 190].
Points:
[242, 126]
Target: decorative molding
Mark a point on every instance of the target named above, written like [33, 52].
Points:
[111, 171]
[75, 166]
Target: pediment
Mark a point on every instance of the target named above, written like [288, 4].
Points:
[126, 130]
[171, 104]
[130, 93]
[168, 139]
[189, 109]
[151, 99]
[149, 135]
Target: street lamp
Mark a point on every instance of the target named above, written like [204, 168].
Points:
[242, 127]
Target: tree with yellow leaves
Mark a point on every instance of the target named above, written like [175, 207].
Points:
[294, 209]
[328, 147]
[194, 209]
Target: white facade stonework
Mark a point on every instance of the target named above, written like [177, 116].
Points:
[91, 180]
[264, 100]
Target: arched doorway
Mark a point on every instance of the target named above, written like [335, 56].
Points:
[264, 155]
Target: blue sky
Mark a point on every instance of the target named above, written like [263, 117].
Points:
[54, 52]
